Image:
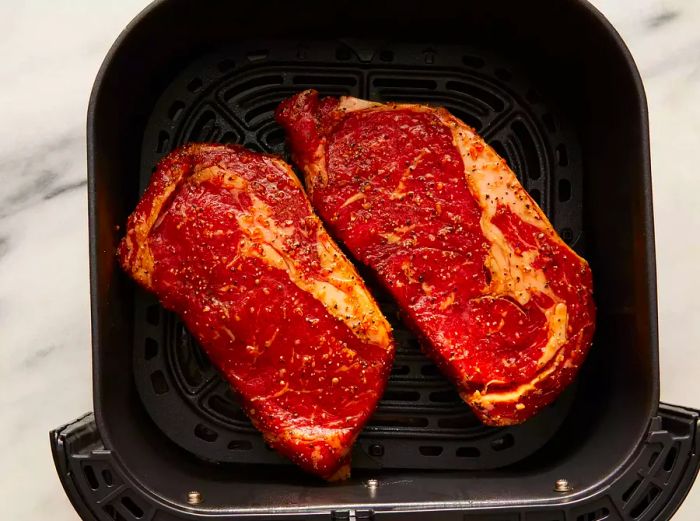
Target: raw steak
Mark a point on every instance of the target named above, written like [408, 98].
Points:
[501, 303]
[227, 239]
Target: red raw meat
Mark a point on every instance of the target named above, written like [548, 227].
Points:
[227, 239]
[501, 303]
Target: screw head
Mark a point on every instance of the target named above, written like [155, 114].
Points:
[372, 487]
[562, 485]
[194, 497]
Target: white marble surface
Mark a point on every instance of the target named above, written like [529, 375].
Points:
[51, 51]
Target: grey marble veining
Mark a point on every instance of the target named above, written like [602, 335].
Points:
[51, 52]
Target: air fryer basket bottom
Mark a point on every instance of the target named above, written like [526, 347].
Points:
[230, 97]
[651, 485]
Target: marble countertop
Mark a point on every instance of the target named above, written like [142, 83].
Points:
[51, 52]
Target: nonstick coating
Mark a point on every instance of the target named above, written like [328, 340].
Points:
[230, 98]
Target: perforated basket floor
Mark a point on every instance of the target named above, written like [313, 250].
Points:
[230, 98]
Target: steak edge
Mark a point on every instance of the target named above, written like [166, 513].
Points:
[501, 304]
[227, 239]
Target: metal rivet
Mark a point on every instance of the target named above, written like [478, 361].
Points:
[376, 450]
[194, 497]
[562, 485]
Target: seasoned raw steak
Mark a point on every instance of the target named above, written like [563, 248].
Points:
[501, 303]
[227, 239]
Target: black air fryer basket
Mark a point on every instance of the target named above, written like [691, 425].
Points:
[551, 86]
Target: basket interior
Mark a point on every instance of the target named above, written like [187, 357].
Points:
[230, 97]
[570, 121]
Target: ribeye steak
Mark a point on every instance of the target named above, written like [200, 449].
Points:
[227, 239]
[500, 302]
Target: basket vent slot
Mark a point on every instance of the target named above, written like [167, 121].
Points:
[159, 383]
[205, 128]
[447, 396]
[240, 445]
[227, 408]
[252, 85]
[91, 477]
[163, 142]
[153, 314]
[529, 149]
[107, 477]
[400, 395]
[150, 348]
[654, 456]
[478, 93]
[430, 370]
[205, 433]
[230, 138]
[501, 151]
[596, 515]
[254, 146]
[464, 421]
[468, 452]
[132, 507]
[348, 81]
[113, 513]
[275, 138]
[261, 111]
[503, 443]
[193, 365]
[406, 83]
[430, 450]
[387, 420]
[400, 370]
[564, 190]
[645, 502]
[671, 458]
[627, 494]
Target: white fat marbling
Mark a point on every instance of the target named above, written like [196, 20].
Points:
[50, 54]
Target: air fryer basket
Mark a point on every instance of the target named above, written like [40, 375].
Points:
[230, 97]
[553, 89]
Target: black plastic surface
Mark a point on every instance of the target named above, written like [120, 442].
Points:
[649, 487]
[578, 69]
[230, 97]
